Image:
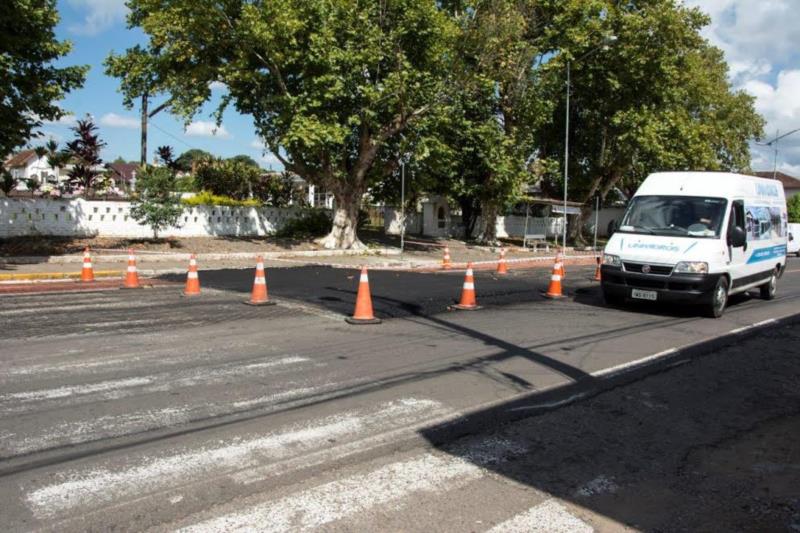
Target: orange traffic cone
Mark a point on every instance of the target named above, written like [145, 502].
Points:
[192, 279]
[363, 312]
[502, 268]
[597, 274]
[554, 290]
[468, 301]
[446, 259]
[87, 272]
[132, 276]
[259, 296]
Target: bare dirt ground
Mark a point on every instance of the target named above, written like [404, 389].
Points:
[373, 238]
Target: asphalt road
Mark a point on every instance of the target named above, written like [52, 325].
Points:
[141, 409]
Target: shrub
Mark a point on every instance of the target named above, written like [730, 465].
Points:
[156, 205]
[793, 205]
[313, 223]
[209, 198]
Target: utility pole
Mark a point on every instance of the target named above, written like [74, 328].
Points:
[402, 205]
[143, 157]
[774, 144]
[566, 163]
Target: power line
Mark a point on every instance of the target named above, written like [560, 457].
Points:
[165, 132]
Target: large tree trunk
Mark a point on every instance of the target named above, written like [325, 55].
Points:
[345, 221]
[470, 210]
[487, 234]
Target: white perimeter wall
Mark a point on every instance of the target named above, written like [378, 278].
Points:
[24, 217]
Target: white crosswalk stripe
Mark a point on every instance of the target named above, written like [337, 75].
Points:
[97, 487]
[547, 517]
[348, 497]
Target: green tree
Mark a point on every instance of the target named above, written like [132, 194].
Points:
[329, 84]
[793, 206]
[657, 99]
[156, 205]
[244, 159]
[227, 178]
[84, 152]
[30, 85]
[188, 160]
[276, 189]
[479, 148]
[7, 182]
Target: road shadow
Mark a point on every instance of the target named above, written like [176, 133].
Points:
[709, 445]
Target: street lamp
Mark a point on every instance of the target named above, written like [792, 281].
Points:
[604, 46]
[774, 141]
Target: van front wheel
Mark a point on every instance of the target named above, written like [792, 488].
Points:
[719, 298]
[770, 288]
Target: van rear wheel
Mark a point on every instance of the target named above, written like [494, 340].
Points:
[719, 299]
[770, 288]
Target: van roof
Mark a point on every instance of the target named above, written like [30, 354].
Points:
[710, 184]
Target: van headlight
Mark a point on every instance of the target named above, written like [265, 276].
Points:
[611, 260]
[691, 267]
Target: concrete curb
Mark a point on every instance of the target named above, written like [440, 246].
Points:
[40, 276]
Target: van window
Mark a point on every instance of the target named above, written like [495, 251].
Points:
[681, 216]
[737, 215]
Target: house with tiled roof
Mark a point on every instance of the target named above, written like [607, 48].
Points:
[27, 164]
[124, 175]
[791, 185]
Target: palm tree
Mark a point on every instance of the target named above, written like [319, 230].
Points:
[56, 158]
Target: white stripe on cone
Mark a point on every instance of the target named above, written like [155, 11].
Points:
[192, 275]
[555, 277]
[469, 272]
[131, 268]
[87, 265]
[192, 262]
[469, 285]
[364, 278]
[260, 281]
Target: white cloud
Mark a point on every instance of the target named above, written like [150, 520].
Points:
[271, 161]
[257, 143]
[66, 120]
[759, 38]
[217, 86]
[100, 15]
[112, 120]
[203, 128]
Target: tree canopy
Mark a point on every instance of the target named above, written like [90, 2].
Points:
[188, 160]
[471, 92]
[328, 84]
[658, 98]
[30, 85]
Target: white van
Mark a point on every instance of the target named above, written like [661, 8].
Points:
[794, 240]
[697, 237]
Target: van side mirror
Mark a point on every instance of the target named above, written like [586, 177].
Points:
[737, 237]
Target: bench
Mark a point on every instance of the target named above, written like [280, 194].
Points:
[537, 239]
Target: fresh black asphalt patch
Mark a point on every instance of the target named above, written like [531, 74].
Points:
[394, 293]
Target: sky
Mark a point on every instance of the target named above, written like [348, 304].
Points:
[759, 38]
[96, 28]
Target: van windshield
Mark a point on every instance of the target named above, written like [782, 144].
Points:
[679, 216]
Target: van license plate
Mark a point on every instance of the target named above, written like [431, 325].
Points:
[644, 295]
